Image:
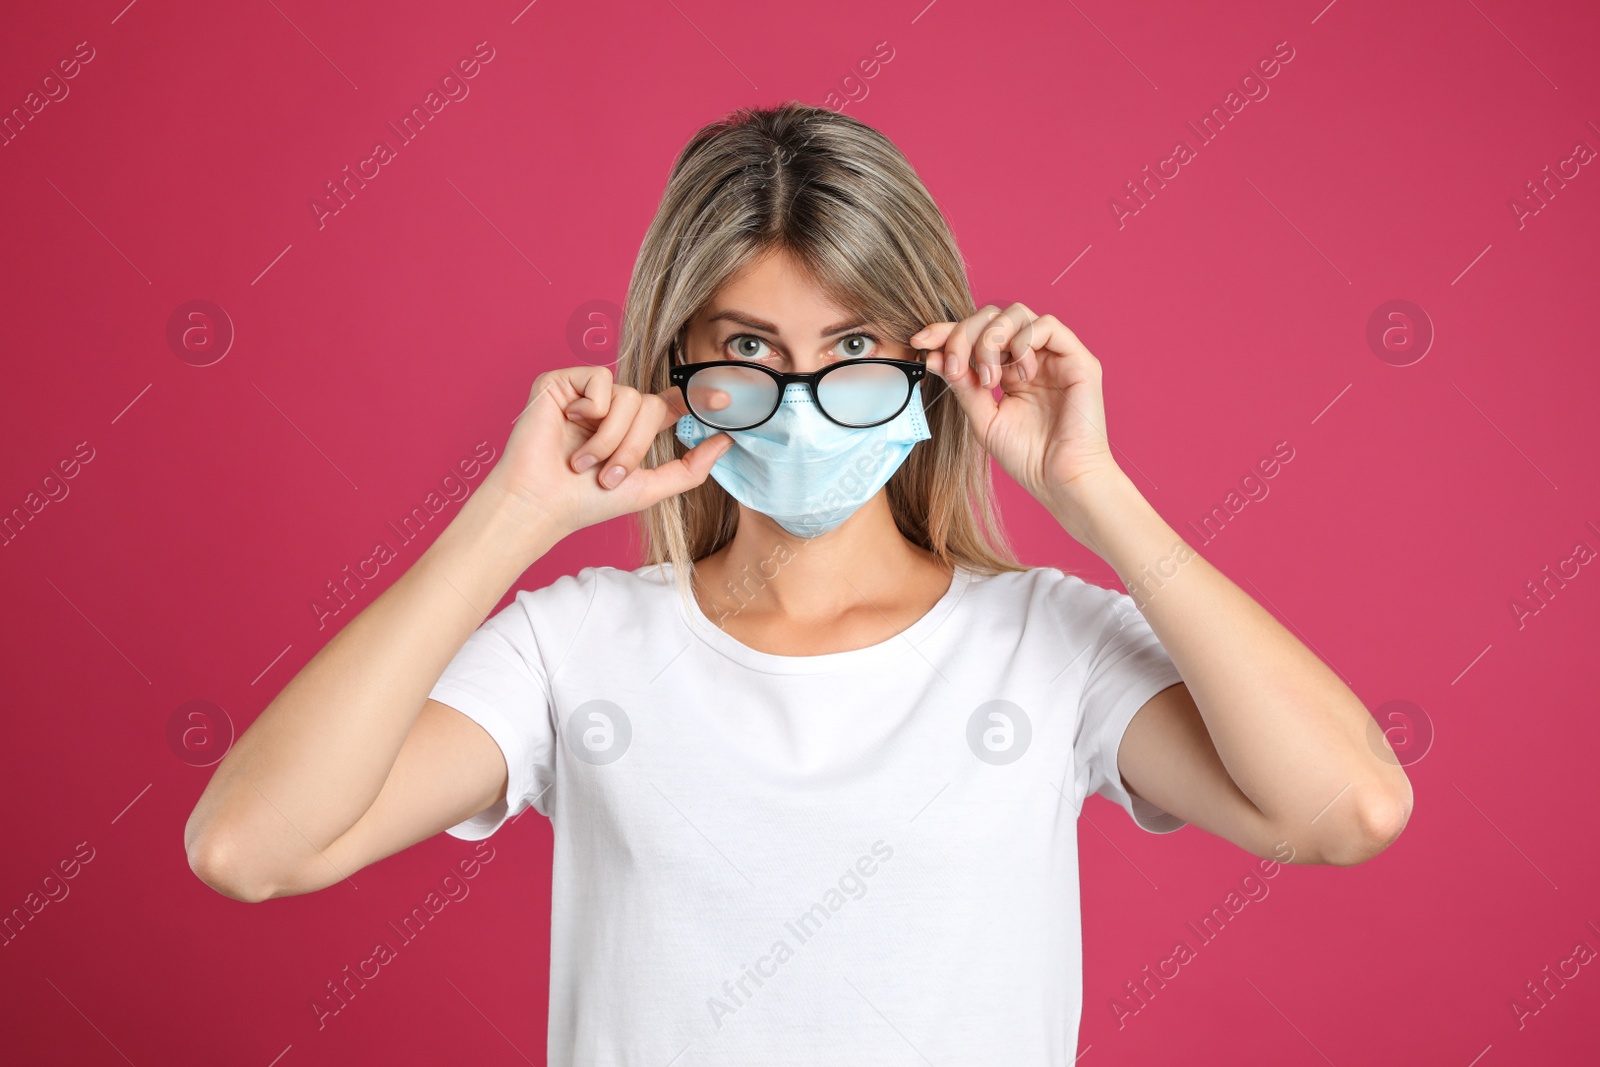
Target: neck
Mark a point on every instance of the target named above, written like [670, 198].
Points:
[767, 570]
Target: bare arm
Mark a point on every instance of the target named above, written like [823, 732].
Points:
[1263, 744]
[319, 755]
[352, 762]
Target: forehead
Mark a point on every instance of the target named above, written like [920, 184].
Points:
[775, 289]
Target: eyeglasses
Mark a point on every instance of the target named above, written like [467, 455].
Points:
[736, 395]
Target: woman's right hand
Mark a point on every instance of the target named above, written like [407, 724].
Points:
[578, 427]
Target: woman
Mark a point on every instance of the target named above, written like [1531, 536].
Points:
[814, 769]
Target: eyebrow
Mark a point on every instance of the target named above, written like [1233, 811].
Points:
[744, 318]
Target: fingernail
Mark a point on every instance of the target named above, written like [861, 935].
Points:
[585, 462]
[612, 477]
[983, 374]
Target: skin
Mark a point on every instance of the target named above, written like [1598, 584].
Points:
[1261, 744]
[862, 582]
[351, 762]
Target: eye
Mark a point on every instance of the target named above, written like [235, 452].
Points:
[741, 344]
[858, 346]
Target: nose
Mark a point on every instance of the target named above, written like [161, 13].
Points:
[805, 362]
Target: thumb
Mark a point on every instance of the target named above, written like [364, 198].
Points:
[679, 475]
[699, 460]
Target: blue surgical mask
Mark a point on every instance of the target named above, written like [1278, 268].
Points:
[807, 473]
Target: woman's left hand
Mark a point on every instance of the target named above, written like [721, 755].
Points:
[1048, 430]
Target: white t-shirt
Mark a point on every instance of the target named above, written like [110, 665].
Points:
[865, 857]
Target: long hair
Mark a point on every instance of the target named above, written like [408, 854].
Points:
[842, 200]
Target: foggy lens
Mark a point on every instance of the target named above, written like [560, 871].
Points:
[864, 393]
[732, 397]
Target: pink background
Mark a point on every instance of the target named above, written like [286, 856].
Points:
[372, 354]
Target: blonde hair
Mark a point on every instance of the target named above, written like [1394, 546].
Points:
[842, 200]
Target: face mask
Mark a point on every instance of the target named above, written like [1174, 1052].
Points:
[805, 472]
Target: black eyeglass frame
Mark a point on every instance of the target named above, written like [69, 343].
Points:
[680, 373]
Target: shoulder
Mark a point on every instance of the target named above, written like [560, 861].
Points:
[609, 595]
[589, 585]
[1049, 601]
[1047, 586]
[587, 612]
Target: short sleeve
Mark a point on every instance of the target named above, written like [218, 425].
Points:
[500, 679]
[1127, 665]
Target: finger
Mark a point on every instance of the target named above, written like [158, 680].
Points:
[674, 409]
[988, 347]
[548, 390]
[543, 416]
[1020, 367]
[958, 345]
[929, 339]
[931, 335]
[1057, 338]
[594, 384]
[933, 339]
[551, 389]
[1020, 362]
[641, 432]
[1065, 362]
[976, 399]
[609, 434]
[991, 352]
[712, 400]
[1061, 355]
[648, 485]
